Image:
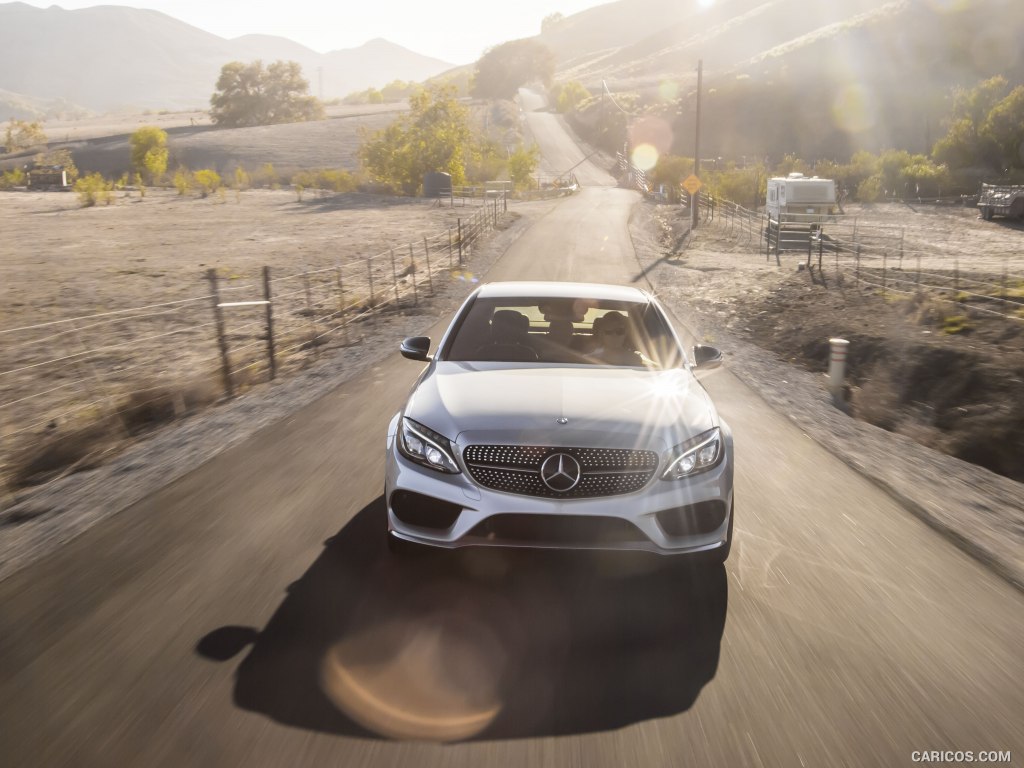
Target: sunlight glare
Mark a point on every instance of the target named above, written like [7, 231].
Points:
[645, 157]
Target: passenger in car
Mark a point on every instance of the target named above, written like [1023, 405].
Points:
[615, 344]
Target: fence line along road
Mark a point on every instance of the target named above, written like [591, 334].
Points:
[877, 255]
[64, 374]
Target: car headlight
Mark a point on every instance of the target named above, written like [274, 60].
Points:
[696, 455]
[425, 446]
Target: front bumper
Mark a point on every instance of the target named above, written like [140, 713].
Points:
[665, 516]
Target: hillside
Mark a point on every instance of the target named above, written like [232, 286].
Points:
[110, 57]
[818, 79]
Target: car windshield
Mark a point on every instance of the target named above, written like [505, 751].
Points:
[564, 330]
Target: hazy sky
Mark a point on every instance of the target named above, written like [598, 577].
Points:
[457, 31]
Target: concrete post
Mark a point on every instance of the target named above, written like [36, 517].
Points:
[837, 369]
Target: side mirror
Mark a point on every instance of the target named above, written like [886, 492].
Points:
[706, 357]
[416, 348]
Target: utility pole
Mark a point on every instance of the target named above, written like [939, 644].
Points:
[696, 148]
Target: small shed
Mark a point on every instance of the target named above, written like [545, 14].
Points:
[437, 184]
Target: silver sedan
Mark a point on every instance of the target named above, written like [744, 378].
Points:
[560, 415]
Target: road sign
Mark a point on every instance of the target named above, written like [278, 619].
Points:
[692, 184]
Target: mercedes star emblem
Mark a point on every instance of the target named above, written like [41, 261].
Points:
[560, 472]
[562, 420]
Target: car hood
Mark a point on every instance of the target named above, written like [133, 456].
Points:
[604, 406]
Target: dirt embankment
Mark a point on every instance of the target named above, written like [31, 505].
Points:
[938, 366]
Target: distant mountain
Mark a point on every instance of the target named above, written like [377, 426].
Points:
[109, 57]
[817, 78]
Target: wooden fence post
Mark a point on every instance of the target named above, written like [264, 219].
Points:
[426, 255]
[369, 273]
[394, 276]
[270, 323]
[449, 247]
[310, 311]
[459, 221]
[343, 310]
[222, 341]
[412, 267]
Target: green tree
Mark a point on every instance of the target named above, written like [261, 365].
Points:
[568, 96]
[551, 21]
[1003, 130]
[965, 144]
[521, 165]
[433, 136]
[149, 152]
[503, 69]
[249, 94]
[21, 135]
[61, 157]
[670, 170]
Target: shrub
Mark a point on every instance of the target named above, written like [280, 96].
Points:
[149, 152]
[208, 181]
[12, 178]
[93, 188]
[183, 181]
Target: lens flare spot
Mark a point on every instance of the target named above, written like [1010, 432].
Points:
[854, 109]
[434, 679]
[645, 157]
[668, 90]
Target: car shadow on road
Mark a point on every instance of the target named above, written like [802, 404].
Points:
[478, 644]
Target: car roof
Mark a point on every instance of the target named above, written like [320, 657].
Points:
[558, 290]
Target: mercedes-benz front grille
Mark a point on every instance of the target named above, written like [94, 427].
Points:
[571, 473]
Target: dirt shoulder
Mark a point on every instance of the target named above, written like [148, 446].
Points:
[928, 391]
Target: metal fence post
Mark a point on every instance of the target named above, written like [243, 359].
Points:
[222, 341]
[270, 323]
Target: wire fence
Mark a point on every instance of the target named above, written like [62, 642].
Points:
[126, 369]
[881, 257]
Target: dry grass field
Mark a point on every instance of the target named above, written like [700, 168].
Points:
[106, 312]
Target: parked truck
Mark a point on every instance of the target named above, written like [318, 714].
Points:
[1001, 200]
[47, 177]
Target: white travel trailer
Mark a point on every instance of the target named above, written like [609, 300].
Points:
[799, 199]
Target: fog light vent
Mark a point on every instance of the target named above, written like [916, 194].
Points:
[424, 511]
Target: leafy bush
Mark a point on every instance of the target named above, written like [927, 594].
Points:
[334, 179]
[266, 176]
[149, 152]
[207, 180]
[21, 135]
[93, 188]
[12, 178]
[521, 165]
[183, 181]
